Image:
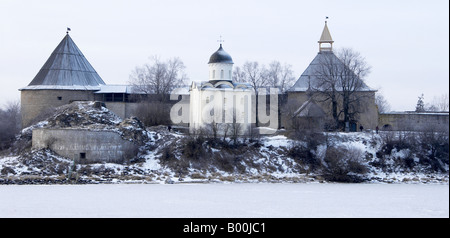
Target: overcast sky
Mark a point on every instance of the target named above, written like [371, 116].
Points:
[405, 41]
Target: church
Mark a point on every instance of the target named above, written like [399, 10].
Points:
[220, 104]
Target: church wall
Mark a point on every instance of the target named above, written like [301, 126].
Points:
[227, 105]
[36, 103]
[220, 71]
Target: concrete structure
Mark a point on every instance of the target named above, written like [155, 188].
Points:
[84, 145]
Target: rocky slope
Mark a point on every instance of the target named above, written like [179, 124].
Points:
[173, 157]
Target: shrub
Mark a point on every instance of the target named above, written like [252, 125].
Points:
[430, 145]
[303, 152]
[304, 156]
[7, 170]
[435, 146]
[193, 148]
[224, 162]
[344, 165]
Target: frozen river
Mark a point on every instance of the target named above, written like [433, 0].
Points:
[225, 200]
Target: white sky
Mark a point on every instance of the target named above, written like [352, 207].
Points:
[405, 41]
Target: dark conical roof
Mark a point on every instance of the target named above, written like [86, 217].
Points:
[220, 56]
[312, 75]
[67, 67]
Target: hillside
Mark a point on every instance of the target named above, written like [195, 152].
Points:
[173, 157]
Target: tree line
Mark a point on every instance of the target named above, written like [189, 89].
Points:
[438, 104]
[160, 77]
[10, 123]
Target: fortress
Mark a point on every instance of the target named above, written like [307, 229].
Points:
[67, 76]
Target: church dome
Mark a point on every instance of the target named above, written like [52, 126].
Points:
[220, 56]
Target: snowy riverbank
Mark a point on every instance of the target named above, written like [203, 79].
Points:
[170, 156]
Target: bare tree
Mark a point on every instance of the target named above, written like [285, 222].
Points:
[255, 75]
[236, 128]
[340, 80]
[158, 77]
[326, 84]
[212, 130]
[351, 80]
[439, 103]
[239, 75]
[280, 76]
[382, 103]
[152, 84]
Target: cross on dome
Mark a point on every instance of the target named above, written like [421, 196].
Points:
[220, 40]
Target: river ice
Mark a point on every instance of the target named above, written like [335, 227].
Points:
[230, 200]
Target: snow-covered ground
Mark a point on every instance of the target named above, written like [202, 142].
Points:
[226, 200]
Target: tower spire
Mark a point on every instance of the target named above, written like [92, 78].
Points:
[326, 38]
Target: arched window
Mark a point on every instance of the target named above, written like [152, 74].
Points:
[214, 74]
[221, 74]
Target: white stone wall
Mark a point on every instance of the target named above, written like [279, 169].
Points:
[222, 106]
[220, 71]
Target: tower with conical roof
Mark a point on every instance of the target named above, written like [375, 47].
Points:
[66, 68]
[65, 77]
[311, 87]
[314, 71]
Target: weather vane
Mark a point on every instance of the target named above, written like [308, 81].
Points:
[68, 29]
[326, 18]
